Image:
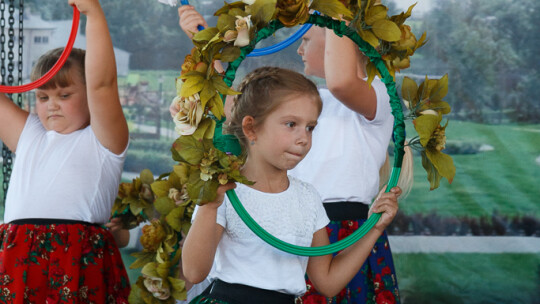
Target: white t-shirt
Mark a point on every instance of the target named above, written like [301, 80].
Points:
[62, 176]
[292, 216]
[348, 150]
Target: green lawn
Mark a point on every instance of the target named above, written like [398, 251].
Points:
[468, 278]
[455, 278]
[504, 179]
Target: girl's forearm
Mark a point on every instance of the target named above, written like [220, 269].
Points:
[346, 264]
[100, 60]
[200, 245]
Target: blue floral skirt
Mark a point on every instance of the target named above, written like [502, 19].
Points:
[375, 283]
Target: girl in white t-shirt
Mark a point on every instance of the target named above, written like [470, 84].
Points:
[273, 118]
[69, 159]
[349, 149]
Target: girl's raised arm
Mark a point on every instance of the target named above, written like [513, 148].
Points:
[12, 120]
[344, 68]
[106, 116]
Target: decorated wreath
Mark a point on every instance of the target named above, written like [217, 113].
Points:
[204, 163]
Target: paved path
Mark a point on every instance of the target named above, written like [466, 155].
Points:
[464, 244]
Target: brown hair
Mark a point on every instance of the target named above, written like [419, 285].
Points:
[64, 77]
[263, 90]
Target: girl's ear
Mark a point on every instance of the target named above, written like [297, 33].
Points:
[248, 127]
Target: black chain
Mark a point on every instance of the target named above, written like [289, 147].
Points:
[7, 156]
[20, 54]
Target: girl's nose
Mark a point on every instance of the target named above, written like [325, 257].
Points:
[302, 138]
[300, 50]
[52, 104]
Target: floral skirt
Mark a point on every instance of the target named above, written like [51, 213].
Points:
[60, 263]
[375, 283]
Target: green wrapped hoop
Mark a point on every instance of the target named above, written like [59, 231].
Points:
[229, 143]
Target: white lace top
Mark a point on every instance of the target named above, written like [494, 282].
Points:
[292, 216]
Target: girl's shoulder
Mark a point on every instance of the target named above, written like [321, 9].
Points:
[302, 187]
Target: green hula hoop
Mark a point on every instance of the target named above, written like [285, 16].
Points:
[229, 143]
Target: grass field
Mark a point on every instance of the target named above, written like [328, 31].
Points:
[468, 278]
[456, 278]
[504, 179]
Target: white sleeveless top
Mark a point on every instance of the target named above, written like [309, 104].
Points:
[62, 176]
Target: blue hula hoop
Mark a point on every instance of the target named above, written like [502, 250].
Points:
[273, 48]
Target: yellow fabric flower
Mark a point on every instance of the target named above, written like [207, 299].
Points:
[292, 12]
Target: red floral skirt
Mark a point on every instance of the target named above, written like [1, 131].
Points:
[60, 263]
[375, 283]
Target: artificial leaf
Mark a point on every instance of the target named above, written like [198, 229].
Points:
[369, 37]
[163, 271]
[136, 207]
[174, 180]
[182, 171]
[443, 163]
[226, 22]
[142, 258]
[205, 129]
[230, 53]
[409, 91]
[237, 12]
[332, 8]
[202, 191]
[161, 188]
[192, 85]
[425, 88]
[150, 269]
[400, 19]
[164, 205]
[208, 91]
[185, 227]
[421, 41]
[216, 107]
[212, 42]
[425, 125]
[178, 288]
[189, 149]
[206, 35]
[135, 295]
[222, 87]
[174, 218]
[227, 7]
[440, 106]
[432, 175]
[371, 72]
[440, 89]
[386, 30]
[375, 13]
[147, 177]
[263, 10]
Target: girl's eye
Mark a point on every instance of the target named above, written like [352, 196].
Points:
[64, 96]
[290, 124]
[43, 98]
[310, 128]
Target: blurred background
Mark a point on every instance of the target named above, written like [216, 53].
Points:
[476, 240]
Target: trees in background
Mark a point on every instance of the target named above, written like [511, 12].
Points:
[146, 28]
[489, 49]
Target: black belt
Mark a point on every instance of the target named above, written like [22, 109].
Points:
[346, 211]
[44, 221]
[243, 294]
